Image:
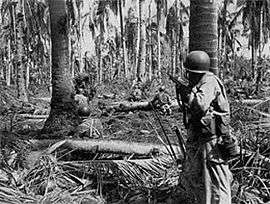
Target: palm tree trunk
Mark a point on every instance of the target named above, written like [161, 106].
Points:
[151, 46]
[21, 84]
[8, 71]
[13, 44]
[14, 23]
[261, 33]
[63, 116]
[138, 40]
[27, 74]
[259, 74]
[142, 50]
[224, 38]
[81, 67]
[203, 29]
[158, 39]
[253, 56]
[123, 39]
[177, 40]
[173, 53]
[50, 57]
[71, 56]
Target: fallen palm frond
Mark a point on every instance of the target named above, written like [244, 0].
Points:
[10, 195]
[144, 175]
[251, 171]
[50, 177]
[264, 104]
[46, 181]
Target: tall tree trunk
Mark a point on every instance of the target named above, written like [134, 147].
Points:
[224, 38]
[253, 56]
[99, 65]
[14, 23]
[13, 45]
[177, 39]
[260, 59]
[123, 39]
[63, 116]
[158, 38]
[261, 33]
[151, 44]
[233, 64]
[70, 54]
[8, 70]
[203, 29]
[21, 84]
[173, 44]
[81, 67]
[142, 49]
[138, 40]
[27, 73]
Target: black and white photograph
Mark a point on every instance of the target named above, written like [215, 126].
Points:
[134, 101]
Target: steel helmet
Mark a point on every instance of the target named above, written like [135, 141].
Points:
[197, 62]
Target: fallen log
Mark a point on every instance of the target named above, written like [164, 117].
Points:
[103, 146]
[249, 101]
[30, 116]
[47, 99]
[126, 106]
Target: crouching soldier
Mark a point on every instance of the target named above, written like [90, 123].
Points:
[82, 103]
[136, 94]
[81, 97]
[162, 101]
[206, 175]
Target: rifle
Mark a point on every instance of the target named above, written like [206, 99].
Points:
[182, 88]
[179, 82]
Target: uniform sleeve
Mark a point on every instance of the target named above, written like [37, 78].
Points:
[201, 97]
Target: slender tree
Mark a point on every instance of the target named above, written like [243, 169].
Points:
[256, 21]
[123, 41]
[80, 6]
[159, 13]
[63, 116]
[142, 47]
[203, 29]
[21, 83]
[150, 70]
[227, 22]
[9, 63]
[174, 31]
[137, 51]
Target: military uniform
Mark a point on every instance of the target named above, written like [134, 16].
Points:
[162, 101]
[206, 176]
[137, 95]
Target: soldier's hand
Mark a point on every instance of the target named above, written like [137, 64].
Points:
[184, 92]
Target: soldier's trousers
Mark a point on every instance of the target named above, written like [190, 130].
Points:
[205, 177]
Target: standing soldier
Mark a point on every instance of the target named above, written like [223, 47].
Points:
[206, 175]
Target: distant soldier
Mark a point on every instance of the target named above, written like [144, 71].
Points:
[81, 98]
[162, 101]
[84, 86]
[136, 94]
[82, 103]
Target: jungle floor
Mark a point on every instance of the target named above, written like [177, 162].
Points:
[129, 166]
